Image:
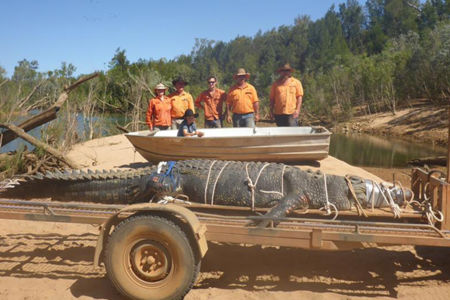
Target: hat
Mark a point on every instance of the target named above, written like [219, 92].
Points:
[179, 79]
[241, 71]
[160, 86]
[285, 67]
[189, 113]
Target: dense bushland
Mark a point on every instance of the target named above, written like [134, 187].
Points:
[376, 57]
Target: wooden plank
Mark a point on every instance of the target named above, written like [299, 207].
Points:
[80, 219]
[304, 238]
[448, 149]
[393, 239]
[445, 207]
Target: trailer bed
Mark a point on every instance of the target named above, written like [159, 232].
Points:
[315, 233]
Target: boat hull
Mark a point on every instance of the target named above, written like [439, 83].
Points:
[273, 144]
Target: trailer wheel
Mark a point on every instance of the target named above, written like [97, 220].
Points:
[149, 257]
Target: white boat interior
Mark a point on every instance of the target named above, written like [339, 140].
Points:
[240, 132]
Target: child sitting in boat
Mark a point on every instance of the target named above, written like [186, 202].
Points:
[187, 127]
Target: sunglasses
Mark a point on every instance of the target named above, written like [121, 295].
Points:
[211, 82]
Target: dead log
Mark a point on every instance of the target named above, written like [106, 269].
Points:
[45, 116]
[123, 129]
[32, 140]
[436, 161]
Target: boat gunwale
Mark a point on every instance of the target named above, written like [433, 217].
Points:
[325, 133]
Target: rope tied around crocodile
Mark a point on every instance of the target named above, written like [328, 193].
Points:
[217, 179]
[253, 186]
[328, 204]
[282, 185]
[215, 183]
[207, 180]
[358, 205]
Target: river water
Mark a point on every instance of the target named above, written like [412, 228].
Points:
[357, 149]
[373, 151]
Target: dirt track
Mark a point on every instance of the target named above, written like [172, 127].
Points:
[53, 261]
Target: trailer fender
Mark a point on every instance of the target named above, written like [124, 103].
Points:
[197, 230]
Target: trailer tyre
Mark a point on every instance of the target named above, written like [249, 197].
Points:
[149, 257]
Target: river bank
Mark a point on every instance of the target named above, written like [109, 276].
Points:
[420, 122]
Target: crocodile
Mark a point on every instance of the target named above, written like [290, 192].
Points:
[279, 187]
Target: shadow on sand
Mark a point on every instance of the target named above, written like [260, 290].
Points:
[363, 272]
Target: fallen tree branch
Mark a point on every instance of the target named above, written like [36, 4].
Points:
[45, 116]
[32, 140]
[123, 129]
[438, 160]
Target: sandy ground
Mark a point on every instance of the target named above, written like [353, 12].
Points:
[41, 260]
[419, 122]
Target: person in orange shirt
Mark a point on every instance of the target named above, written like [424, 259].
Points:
[181, 100]
[158, 111]
[211, 101]
[242, 100]
[286, 97]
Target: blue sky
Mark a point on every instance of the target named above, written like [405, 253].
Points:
[87, 33]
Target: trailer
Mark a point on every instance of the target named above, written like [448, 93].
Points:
[154, 250]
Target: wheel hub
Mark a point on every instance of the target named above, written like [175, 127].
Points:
[150, 260]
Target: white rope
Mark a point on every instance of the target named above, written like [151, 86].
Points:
[215, 183]
[425, 191]
[282, 185]
[253, 186]
[372, 196]
[431, 215]
[272, 192]
[9, 183]
[394, 207]
[169, 199]
[328, 205]
[282, 179]
[207, 181]
[326, 193]
[160, 166]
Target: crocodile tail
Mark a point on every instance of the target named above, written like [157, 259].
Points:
[119, 187]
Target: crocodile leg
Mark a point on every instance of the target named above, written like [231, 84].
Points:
[285, 206]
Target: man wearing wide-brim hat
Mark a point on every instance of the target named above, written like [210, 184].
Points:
[243, 101]
[181, 100]
[286, 96]
[158, 111]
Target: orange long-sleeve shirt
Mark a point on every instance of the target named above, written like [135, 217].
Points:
[158, 112]
[181, 102]
[283, 96]
[213, 104]
[241, 99]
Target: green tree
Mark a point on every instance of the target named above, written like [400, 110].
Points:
[352, 19]
[119, 60]
[327, 44]
[25, 71]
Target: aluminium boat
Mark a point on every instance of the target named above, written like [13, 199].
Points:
[272, 144]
